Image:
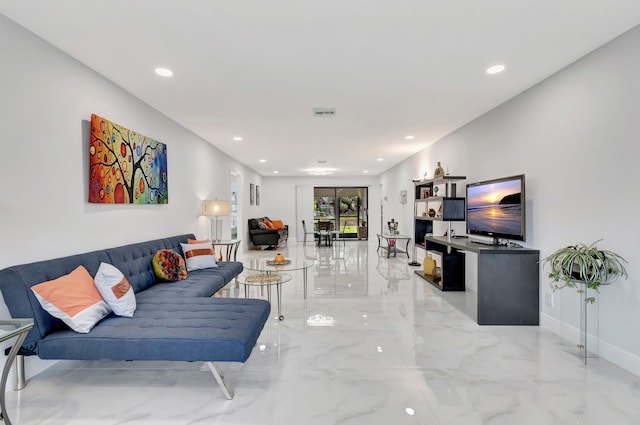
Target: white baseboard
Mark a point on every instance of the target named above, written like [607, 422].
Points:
[550, 324]
[606, 350]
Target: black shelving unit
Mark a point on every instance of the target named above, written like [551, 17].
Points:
[446, 208]
[507, 280]
[452, 266]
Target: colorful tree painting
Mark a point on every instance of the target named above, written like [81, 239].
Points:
[125, 167]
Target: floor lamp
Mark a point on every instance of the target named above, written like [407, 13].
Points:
[216, 210]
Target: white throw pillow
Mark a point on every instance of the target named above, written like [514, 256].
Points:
[199, 256]
[115, 290]
[74, 299]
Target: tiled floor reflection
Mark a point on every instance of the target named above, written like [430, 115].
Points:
[372, 344]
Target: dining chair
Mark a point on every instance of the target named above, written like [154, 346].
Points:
[325, 232]
[306, 232]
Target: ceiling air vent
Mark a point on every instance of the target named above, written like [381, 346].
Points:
[324, 112]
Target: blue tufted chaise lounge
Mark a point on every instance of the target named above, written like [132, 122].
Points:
[173, 321]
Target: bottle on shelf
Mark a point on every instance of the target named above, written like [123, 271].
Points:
[428, 265]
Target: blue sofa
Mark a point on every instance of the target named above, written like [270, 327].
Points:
[177, 321]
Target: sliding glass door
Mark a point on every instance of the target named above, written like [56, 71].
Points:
[345, 207]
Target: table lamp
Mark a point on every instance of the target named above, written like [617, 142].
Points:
[216, 210]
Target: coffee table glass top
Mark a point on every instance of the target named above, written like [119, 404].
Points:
[262, 265]
[10, 328]
[263, 279]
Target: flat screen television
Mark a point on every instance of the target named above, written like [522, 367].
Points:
[496, 208]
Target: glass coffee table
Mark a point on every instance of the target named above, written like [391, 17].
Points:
[392, 243]
[266, 267]
[263, 279]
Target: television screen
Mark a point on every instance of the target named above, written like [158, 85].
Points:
[496, 208]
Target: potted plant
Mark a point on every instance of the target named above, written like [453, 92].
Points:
[583, 264]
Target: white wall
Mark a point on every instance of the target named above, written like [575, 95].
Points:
[279, 195]
[46, 102]
[574, 136]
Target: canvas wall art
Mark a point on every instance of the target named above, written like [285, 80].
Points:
[125, 167]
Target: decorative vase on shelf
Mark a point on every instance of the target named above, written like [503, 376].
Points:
[439, 171]
[393, 227]
[437, 275]
[279, 259]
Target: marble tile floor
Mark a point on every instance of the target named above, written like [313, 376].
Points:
[372, 344]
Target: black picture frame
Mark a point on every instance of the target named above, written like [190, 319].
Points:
[252, 194]
[257, 195]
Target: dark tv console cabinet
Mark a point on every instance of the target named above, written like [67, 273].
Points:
[508, 280]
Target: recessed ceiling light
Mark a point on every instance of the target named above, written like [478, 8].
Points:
[262, 160]
[409, 137]
[164, 72]
[365, 171]
[495, 69]
[380, 159]
[237, 139]
[276, 172]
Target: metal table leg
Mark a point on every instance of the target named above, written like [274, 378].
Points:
[229, 252]
[5, 374]
[279, 290]
[235, 251]
[304, 274]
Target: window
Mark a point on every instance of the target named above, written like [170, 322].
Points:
[345, 207]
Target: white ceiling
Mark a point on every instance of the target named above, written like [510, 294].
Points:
[392, 68]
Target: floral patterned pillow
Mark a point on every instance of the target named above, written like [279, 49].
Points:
[169, 266]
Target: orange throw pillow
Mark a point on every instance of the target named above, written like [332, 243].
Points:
[74, 299]
[277, 224]
[269, 224]
[196, 241]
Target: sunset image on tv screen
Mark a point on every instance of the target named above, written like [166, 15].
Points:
[495, 207]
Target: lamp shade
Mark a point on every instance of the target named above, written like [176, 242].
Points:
[215, 208]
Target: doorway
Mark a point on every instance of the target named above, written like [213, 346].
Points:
[234, 187]
[345, 207]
